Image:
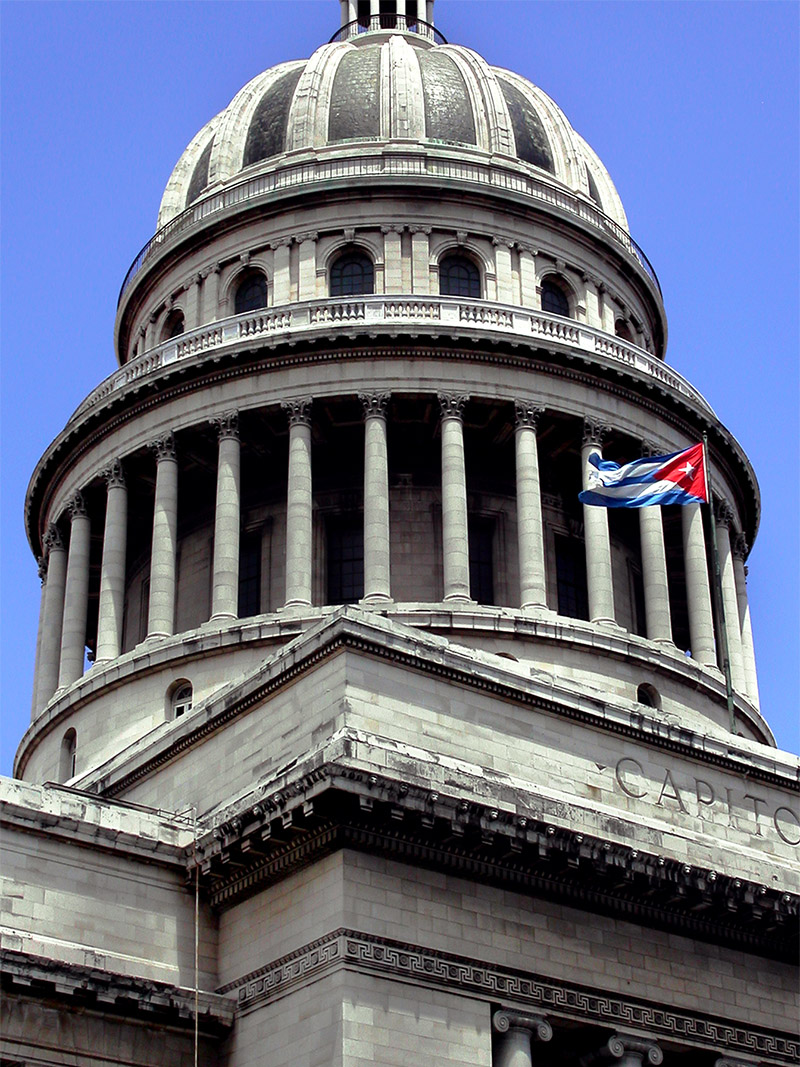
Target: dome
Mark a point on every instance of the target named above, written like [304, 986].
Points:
[389, 87]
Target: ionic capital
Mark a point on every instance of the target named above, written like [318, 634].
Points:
[728, 1061]
[309, 235]
[620, 1045]
[374, 404]
[594, 431]
[53, 539]
[163, 447]
[740, 546]
[527, 414]
[76, 506]
[537, 1025]
[392, 229]
[502, 242]
[227, 425]
[529, 250]
[452, 405]
[281, 242]
[114, 476]
[298, 411]
[421, 229]
[723, 513]
[41, 566]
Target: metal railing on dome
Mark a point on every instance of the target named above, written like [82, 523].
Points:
[388, 21]
[412, 163]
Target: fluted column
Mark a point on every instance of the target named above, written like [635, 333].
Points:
[455, 530]
[164, 554]
[53, 591]
[698, 590]
[112, 570]
[530, 529]
[225, 574]
[299, 502]
[420, 259]
[518, 1029]
[599, 576]
[42, 567]
[730, 603]
[76, 595]
[740, 552]
[654, 570]
[377, 556]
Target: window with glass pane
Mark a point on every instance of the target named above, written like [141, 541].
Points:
[554, 299]
[251, 293]
[573, 596]
[458, 276]
[481, 571]
[250, 575]
[352, 275]
[345, 559]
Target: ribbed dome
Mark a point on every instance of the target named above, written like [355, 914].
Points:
[388, 87]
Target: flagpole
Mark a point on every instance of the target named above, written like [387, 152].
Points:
[718, 598]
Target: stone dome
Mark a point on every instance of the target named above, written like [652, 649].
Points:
[384, 87]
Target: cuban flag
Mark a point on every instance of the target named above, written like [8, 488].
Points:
[679, 478]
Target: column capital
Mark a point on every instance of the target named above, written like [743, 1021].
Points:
[226, 424]
[648, 448]
[76, 506]
[420, 229]
[309, 235]
[452, 405]
[392, 229]
[374, 404]
[537, 1025]
[620, 1044]
[594, 431]
[163, 447]
[723, 513]
[741, 548]
[281, 242]
[529, 249]
[114, 475]
[298, 411]
[729, 1061]
[527, 414]
[41, 566]
[502, 241]
[53, 539]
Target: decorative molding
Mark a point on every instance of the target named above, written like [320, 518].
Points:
[539, 1028]
[350, 234]
[163, 447]
[41, 567]
[374, 404]
[559, 999]
[309, 235]
[281, 242]
[226, 424]
[244, 259]
[461, 237]
[52, 539]
[76, 506]
[741, 549]
[114, 475]
[723, 513]
[502, 242]
[452, 405]
[392, 229]
[298, 411]
[420, 229]
[594, 431]
[527, 414]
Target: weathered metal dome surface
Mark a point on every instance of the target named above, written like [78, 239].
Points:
[382, 88]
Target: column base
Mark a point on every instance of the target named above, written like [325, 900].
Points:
[222, 617]
[540, 610]
[295, 605]
[608, 624]
[458, 598]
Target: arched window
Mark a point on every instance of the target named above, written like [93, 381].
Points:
[554, 299]
[251, 293]
[69, 749]
[352, 274]
[648, 695]
[173, 325]
[181, 699]
[623, 330]
[458, 276]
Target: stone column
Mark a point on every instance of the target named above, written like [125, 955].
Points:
[393, 259]
[76, 595]
[401, 15]
[112, 569]
[730, 603]
[164, 554]
[530, 530]
[374, 15]
[42, 567]
[518, 1029]
[631, 1051]
[150, 332]
[698, 590]
[502, 260]
[740, 552]
[281, 274]
[192, 316]
[307, 266]
[299, 503]
[420, 260]
[53, 589]
[377, 555]
[211, 293]
[225, 574]
[599, 575]
[527, 277]
[654, 570]
[455, 530]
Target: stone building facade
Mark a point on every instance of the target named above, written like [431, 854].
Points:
[388, 747]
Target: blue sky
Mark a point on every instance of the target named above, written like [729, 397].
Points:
[693, 107]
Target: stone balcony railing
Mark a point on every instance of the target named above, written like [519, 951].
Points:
[375, 163]
[437, 314]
